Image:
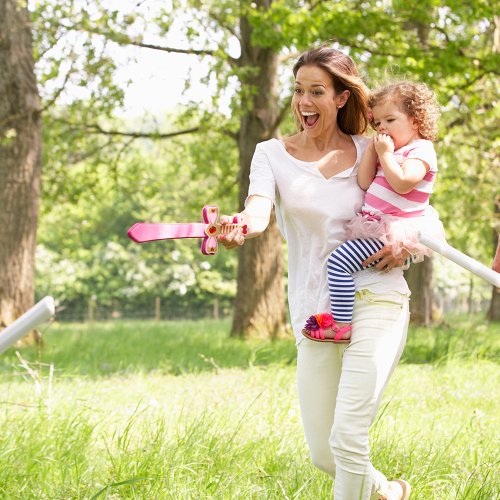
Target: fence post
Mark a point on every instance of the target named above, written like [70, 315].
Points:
[91, 309]
[158, 309]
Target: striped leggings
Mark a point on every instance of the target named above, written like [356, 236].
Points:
[343, 261]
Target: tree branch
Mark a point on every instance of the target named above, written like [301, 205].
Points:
[285, 108]
[229, 133]
[313, 5]
[462, 119]
[197, 52]
[479, 76]
[124, 40]
[364, 48]
[77, 158]
[443, 32]
[59, 90]
[97, 129]
[221, 22]
[286, 57]
[116, 161]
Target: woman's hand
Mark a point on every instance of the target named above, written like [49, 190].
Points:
[235, 238]
[387, 259]
[254, 219]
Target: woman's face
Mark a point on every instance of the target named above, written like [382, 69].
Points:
[315, 101]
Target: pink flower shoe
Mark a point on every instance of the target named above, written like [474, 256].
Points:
[322, 328]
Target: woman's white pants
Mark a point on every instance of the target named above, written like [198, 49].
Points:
[340, 391]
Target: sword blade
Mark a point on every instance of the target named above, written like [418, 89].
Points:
[461, 259]
[141, 232]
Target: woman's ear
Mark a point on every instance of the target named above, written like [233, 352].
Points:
[342, 98]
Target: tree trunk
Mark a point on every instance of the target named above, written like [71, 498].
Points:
[494, 310]
[421, 283]
[20, 145]
[260, 299]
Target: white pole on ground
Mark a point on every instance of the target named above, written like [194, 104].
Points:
[461, 259]
[39, 313]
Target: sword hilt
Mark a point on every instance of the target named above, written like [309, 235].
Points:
[209, 245]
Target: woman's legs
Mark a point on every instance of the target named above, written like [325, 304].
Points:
[380, 325]
[318, 374]
[339, 398]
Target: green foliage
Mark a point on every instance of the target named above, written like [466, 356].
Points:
[83, 246]
[95, 184]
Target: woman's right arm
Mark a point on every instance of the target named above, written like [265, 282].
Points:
[255, 216]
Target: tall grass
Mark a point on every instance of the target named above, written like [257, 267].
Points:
[178, 410]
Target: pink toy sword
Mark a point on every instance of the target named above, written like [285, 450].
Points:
[209, 230]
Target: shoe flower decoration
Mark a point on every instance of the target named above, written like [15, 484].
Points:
[319, 321]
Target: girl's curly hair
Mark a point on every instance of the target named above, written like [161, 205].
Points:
[416, 100]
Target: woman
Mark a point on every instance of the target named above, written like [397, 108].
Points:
[310, 177]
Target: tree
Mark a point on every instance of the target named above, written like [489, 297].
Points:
[494, 310]
[420, 282]
[260, 302]
[20, 145]
[445, 45]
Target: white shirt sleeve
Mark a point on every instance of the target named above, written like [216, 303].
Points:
[262, 180]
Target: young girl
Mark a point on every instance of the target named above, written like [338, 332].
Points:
[397, 171]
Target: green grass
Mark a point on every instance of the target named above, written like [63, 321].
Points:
[178, 410]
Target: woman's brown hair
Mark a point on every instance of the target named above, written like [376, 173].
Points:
[352, 118]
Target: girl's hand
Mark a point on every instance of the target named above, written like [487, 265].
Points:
[387, 259]
[235, 238]
[383, 144]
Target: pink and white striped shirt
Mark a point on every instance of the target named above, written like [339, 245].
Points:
[381, 199]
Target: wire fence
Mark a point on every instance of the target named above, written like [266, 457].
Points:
[469, 298]
[91, 310]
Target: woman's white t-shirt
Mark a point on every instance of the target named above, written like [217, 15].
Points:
[311, 212]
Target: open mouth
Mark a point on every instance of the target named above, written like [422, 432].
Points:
[309, 118]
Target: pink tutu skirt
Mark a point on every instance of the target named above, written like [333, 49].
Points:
[398, 232]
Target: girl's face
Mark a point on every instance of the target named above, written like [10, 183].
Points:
[315, 102]
[389, 119]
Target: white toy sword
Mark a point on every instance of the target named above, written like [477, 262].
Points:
[39, 313]
[461, 259]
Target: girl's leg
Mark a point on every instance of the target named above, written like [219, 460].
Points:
[379, 334]
[343, 261]
[318, 374]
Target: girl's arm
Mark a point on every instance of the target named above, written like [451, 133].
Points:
[367, 167]
[255, 216]
[402, 178]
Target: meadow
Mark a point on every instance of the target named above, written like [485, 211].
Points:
[178, 410]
